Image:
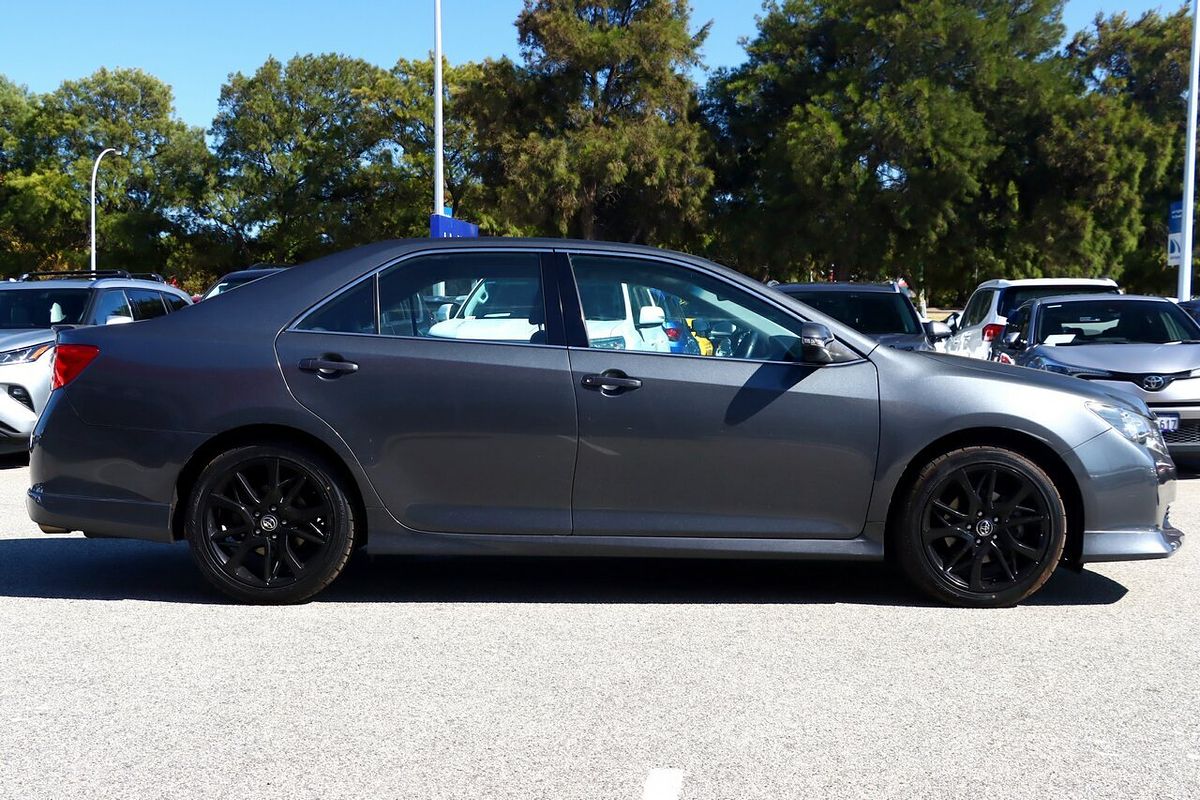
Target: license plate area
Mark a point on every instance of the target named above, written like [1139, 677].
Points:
[1167, 422]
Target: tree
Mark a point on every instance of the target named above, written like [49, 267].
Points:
[309, 160]
[143, 196]
[595, 133]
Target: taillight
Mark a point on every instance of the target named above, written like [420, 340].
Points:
[674, 334]
[69, 361]
[990, 332]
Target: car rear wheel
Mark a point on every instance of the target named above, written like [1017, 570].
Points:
[982, 527]
[270, 524]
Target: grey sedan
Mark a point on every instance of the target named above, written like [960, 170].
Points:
[1146, 347]
[279, 427]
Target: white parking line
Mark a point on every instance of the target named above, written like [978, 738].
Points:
[663, 784]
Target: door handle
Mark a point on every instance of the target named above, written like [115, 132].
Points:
[327, 367]
[611, 380]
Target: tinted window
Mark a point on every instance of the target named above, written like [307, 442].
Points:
[175, 302]
[41, 308]
[111, 303]
[733, 323]
[1115, 322]
[480, 296]
[977, 308]
[146, 304]
[1016, 296]
[868, 312]
[353, 311]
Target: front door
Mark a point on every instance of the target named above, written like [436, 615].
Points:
[452, 388]
[743, 443]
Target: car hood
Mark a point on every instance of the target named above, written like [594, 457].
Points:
[1011, 378]
[1134, 358]
[25, 337]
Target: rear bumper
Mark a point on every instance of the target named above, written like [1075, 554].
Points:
[122, 519]
[1131, 545]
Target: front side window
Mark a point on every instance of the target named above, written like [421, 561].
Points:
[635, 304]
[112, 305]
[494, 297]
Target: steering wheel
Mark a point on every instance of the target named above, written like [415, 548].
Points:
[748, 344]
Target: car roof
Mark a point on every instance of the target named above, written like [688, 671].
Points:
[86, 283]
[841, 286]
[1004, 283]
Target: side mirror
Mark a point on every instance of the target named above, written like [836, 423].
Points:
[118, 319]
[446, 311]
[651, 317]
[952, 322]
[937, 331]
[1013, 341]
[815, 339]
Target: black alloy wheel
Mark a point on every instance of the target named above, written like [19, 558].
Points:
[985, 527]
[269, 524]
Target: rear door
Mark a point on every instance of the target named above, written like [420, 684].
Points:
[742, 445]
[464, 423]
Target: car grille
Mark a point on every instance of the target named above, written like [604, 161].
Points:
[1188, 433]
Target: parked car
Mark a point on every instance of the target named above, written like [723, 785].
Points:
[239, 278]
[1192, 307]
[882, 311]
[318, 430]
[984, 316]
[37, 302]
[1146, 346]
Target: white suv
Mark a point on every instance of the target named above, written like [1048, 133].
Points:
[982, 320]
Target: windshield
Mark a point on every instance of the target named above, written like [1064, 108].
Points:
[41, 308]
[1014, 297]
[872, 313]
[1115, 322]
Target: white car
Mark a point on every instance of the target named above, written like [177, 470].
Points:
[983, 319]
[32, 306]
[509, 309]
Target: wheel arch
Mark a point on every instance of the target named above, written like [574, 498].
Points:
[1022, 443]
[261, 434]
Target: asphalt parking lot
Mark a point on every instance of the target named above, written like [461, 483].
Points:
[122, 675]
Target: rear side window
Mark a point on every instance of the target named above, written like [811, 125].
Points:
[352, 311]
[146, 304]
[977, 308]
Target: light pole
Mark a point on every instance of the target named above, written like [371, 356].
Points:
[439, 193]
[1189, 163]
[95, 168]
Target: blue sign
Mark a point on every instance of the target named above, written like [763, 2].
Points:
[444, 227]
[1175, 235]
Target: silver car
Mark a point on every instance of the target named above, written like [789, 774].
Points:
[32, 306]
[1143, 346]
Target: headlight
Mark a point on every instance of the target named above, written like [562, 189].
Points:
[610, 343]
[1050, 365]
[26, 354]
[1133, 426]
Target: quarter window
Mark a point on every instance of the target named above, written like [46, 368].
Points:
[353, 311]
[657, 307]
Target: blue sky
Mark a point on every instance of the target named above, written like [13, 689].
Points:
[194, 46]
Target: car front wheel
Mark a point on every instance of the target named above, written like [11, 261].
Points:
[982, 527]
[270, 524]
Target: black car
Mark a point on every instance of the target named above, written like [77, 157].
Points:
[324, 409]
[881, 311]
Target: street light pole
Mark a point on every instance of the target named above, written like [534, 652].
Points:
[439, 193]
[1189, 162]
[95, 168]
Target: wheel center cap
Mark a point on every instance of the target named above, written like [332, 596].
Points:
[984, 527]
[269, 522]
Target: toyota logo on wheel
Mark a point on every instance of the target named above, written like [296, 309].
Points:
[1152, 383]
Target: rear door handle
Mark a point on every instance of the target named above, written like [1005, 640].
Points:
[326, 366]
[611, 381]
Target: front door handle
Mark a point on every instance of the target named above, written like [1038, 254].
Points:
[610, 381]
[327, 366]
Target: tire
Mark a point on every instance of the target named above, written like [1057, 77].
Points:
[270, 524]
[969, 543]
